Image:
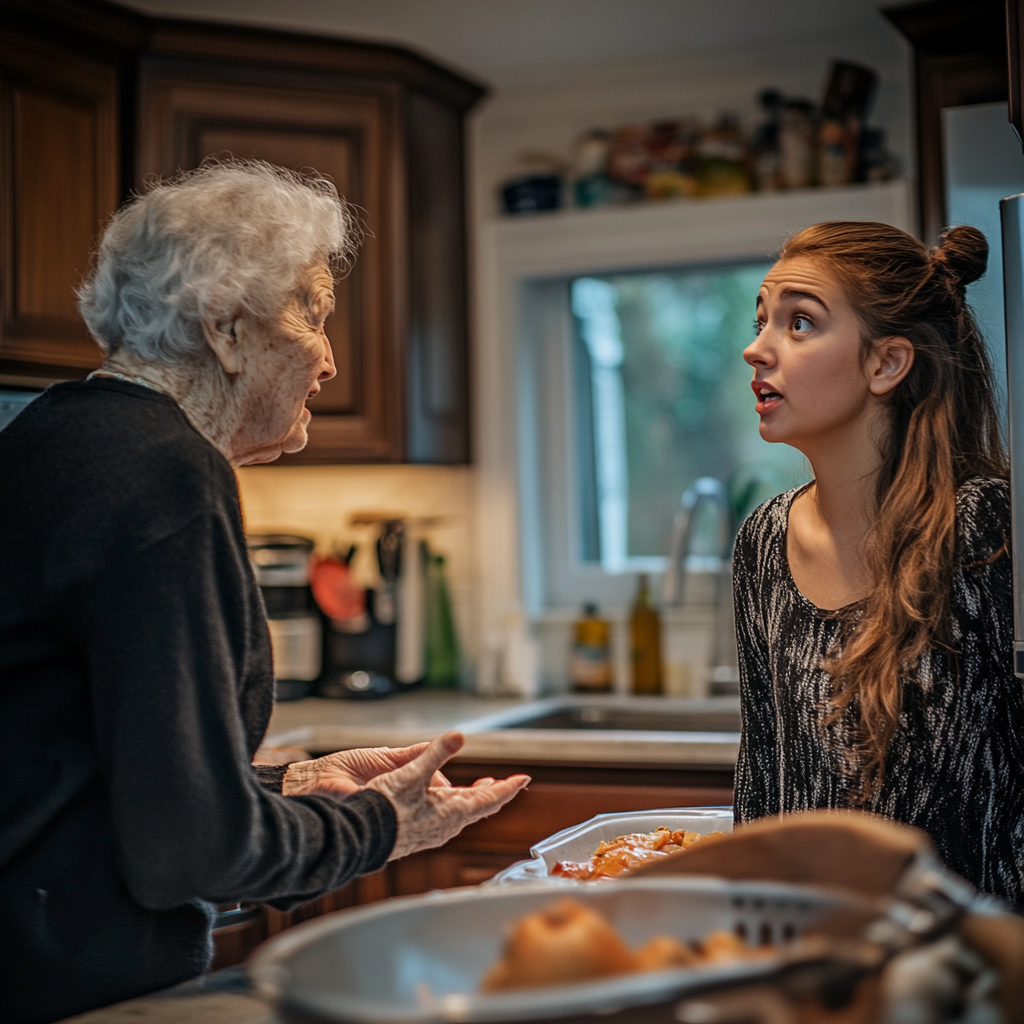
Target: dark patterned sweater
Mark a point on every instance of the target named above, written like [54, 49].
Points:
[955, 768]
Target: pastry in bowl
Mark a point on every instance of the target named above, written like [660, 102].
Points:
[567, 942]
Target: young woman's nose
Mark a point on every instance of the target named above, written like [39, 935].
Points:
[759, 351]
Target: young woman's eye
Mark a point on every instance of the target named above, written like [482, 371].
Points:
[758, 327]
[802, 324]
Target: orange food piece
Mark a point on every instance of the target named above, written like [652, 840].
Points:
[568, 942]
[562, 943]
[617, 856]
[664, 952]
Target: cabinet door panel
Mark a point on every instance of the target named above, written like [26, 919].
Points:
[59, 158]
[350, 136]
[438, 346]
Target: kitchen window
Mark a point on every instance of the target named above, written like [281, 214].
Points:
[662, 397]
[640, 388]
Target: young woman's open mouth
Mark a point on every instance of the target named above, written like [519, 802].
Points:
[767, 397]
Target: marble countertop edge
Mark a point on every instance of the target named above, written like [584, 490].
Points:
[547, 745]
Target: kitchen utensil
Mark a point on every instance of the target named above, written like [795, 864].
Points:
[410, 641]
[422, 958]
[389, 560]
[580, 841]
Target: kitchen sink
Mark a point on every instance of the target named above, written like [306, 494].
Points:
[625, 714]
[632, 719]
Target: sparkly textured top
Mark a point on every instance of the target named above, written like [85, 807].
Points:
[955, 767]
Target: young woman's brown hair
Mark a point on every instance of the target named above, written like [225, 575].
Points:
[943, 429]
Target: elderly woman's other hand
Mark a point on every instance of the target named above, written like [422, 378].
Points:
[347, 771]
[429, 814]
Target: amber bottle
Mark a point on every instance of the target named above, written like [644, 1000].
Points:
[590, 667]
[645, 642]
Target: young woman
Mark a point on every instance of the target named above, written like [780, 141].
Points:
[874, 605]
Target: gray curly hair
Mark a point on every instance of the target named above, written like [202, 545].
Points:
[227, 237]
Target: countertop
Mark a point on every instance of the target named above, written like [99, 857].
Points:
[321, 726]
[225, 997]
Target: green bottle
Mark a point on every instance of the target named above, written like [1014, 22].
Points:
[443, 660]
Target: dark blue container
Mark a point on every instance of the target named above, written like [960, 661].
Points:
[533, 193]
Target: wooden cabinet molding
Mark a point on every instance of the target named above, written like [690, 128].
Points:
[59, 159]
[960, 59]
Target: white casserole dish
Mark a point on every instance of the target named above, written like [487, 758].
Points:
[580, 841]
[422, 958]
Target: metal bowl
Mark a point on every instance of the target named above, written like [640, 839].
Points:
[421, 959]
[580, 841]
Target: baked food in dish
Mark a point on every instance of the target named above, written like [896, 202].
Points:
[618, 856]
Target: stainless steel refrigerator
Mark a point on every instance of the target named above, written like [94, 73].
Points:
[1011, 211]
[1012, 215]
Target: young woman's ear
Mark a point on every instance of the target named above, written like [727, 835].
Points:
[225, 340]
[890, 361]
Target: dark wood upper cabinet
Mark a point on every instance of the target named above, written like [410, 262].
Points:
[960, 49]
[383, 123]
[59, 159]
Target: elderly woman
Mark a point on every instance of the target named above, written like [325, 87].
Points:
[134, 652]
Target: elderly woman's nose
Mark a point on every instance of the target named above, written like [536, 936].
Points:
[327, 368]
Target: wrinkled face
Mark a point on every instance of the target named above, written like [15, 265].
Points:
[286, 359]
[809, 379]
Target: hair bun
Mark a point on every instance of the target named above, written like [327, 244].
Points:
[963, 253]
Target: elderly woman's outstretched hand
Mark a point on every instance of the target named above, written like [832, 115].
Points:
[429, 814]
[348, 771]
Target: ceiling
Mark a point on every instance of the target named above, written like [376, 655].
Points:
[506, 42]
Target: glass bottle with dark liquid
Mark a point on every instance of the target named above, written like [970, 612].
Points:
[645, 642]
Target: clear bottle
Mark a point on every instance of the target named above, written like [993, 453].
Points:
[590, 667]
[645, 642]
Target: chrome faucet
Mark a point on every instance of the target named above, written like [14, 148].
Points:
[707, 490]
[704, 490]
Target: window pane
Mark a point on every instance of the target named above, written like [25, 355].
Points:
[663, 397]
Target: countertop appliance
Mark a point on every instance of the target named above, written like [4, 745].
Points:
[281, 564]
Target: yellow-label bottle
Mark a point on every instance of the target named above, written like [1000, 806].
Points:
[590, 667]
[645, 642]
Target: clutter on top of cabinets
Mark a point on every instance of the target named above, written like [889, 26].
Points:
[797, 145]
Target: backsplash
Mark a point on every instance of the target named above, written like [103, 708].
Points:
[319, 501]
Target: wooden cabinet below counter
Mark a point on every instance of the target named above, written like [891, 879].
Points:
[559, 797]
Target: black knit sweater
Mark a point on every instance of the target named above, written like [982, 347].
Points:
[135, 686]
[955, 767]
